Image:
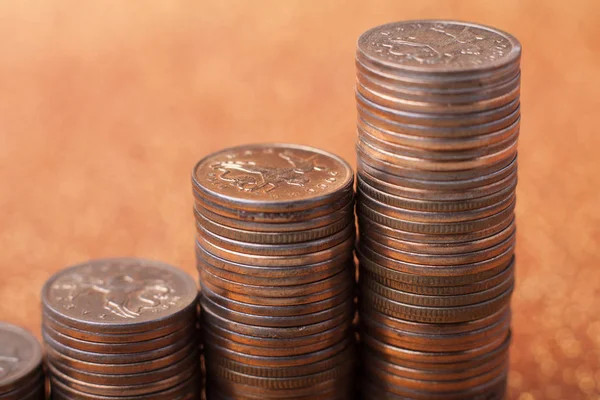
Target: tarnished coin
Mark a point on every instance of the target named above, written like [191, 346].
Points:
[20, 362]
[118, 390]
[366, 123]
[433, 376]
[190, 362]
[119, 358]
[119, 295]
[372, 137]
[293, 249]
[251, 275]
[346, 356]
[239, 390]
[446, 249]
[284, 322]
[215, 315]
[437, 120]
[273, 237]
[238, 256]
[288, 229]
[383, 327]
[223, 298]
[420, 359]
[495, 390]
[134, 338]
[433, 206]
[300, 294]
[436, 217]
[280, 217]
[123, 347]
[441, 132]
[477, 181]
[367, 224]
[384, 247]
[397, 95]
[495, 263]
[431, 49]
[187, 390]
[272, 177]
[288, 383]
[121, 368]
[435, 285]
[287, 304]
[437, 314]
[368, 283]
[334, 334]
[224, 348]
[448, 329]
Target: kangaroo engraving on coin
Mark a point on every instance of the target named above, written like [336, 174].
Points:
[121, 295]
[250, 176]
[118, 290]
[452, 45]
[271, 173]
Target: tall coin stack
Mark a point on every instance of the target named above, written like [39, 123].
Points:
[438, 120]
[121, 328]
[275, 232]
[21, 374]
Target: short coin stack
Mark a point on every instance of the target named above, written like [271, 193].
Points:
[275, 232]
[121, 328]
[438, 120]
[21, 374]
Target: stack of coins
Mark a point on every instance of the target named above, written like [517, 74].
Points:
[121, 328]
[438, 120]
[21, 374]
[275, 232]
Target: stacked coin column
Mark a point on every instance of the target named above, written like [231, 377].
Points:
[121, 329]
[275, 232]
[21, 374]
[438, 120]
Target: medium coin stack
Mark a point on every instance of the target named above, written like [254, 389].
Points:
[275, 232]
[21, 374]
[121, 328]
[438, 120]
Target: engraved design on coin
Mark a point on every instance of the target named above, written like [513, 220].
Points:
[122, 295]
[120, 290]
[436, 43]
[271, 172]
[251, 176]
[9, 360]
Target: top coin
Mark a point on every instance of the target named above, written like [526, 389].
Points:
[20, 357]
[119, 295]
[272, 177]
[431, 46]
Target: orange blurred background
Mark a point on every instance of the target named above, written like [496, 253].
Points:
[106, 105]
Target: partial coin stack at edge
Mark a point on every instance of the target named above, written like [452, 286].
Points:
[21, 373]
[122, 328]
[275, 234]
[438, 121]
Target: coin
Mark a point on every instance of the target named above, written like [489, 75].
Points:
[245, 235]
[272, 177]
[121, 295]
[292, 228]
[295, 249]
[21, 373]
